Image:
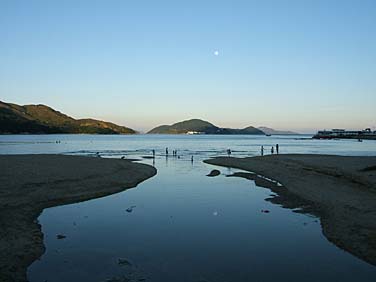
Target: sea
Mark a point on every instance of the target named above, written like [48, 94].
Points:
[181, 225]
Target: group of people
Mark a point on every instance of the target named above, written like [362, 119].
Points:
[262, 150]
[271, 150]
[174, 152]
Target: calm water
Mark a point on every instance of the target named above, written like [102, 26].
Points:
[186, 226]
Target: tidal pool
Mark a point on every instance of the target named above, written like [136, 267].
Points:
[185, 226]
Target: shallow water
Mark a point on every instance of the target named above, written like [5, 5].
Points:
[201, 146]
[186, 226]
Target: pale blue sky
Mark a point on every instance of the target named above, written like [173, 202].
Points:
[301, 65]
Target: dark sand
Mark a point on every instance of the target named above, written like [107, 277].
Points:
[340, 190]
[30, 183]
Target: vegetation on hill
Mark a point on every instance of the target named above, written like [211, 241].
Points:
[194, 125]
[202, 127]
[41, 119]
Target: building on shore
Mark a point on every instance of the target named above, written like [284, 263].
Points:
[345, 134]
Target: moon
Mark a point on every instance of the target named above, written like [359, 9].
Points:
[216, 53]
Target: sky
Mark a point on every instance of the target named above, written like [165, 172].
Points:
[301, 65]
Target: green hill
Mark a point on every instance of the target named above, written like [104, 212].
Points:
[194, 125]
[41, 119]
[199, 126]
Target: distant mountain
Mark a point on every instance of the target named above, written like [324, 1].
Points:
[43, 119]
[272, 131]
[198, 126]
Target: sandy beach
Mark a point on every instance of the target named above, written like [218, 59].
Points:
[340, 190]
[30, 183]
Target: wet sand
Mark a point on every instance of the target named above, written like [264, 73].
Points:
[340, 190]
[31, 183]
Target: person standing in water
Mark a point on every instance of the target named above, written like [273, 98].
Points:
[262, 150]
[228, 152]
[277, 149]
[272, 150]
[166, 151]
[153, 151]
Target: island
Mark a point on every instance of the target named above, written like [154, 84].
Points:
[41, 119]
[198, 126]
[271, 131]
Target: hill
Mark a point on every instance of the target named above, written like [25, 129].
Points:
[271, 131]
[40, 119]
[193, 125]
[198, 126]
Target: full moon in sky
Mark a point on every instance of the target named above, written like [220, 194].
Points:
[216, 53]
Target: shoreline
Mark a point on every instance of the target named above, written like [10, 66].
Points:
[340, 190]
[31, 183]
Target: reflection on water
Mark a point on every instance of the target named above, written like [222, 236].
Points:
[183, 226]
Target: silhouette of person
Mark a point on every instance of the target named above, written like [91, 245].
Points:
[229, 152]
[166, 151]
[262, 150]
[272, 150]
[153, 151]
[277, 149]
[192, 159]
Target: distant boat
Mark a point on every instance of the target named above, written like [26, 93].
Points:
[268, 134]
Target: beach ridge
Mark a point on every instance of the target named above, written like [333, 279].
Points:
[341, 190]
[31, 183]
